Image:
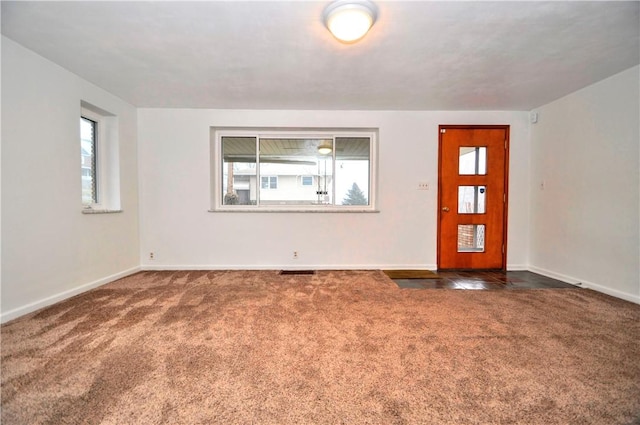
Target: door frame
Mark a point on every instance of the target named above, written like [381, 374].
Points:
[504, 127]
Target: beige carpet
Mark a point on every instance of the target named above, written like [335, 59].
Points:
[338, 347]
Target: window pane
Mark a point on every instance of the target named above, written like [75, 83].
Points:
[352, 170]
[285, 160]
[471, 199]
[88, 160]
[471, 238]
[473, 160]
[307, 180]
[269, 182]
[239, 171]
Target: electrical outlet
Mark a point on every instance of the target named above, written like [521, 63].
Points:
[423, 186]
[295, 255]
[152, 256]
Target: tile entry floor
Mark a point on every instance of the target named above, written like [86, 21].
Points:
[484, 280]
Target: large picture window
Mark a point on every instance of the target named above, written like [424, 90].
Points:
[297, 171]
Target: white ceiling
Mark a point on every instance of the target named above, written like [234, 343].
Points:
[420, 55]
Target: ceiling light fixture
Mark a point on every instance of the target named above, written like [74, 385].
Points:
[350, 20]
[324, 150]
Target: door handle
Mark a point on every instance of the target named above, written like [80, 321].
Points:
[445, 209]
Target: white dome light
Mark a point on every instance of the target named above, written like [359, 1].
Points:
[324, 150]
[350, 20]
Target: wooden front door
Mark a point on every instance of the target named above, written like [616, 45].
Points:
[472, 197]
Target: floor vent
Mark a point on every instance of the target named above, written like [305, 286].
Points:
[297, 272]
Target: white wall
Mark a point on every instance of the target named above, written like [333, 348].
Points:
[585, 222]
[50, 250]
[174, 152]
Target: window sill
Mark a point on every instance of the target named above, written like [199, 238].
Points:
[94, 211]
[276, 210]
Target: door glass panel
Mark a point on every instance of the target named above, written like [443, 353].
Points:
[472, 161]
[471, 199]
[471, 238]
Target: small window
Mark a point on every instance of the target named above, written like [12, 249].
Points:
[99, 159]
[297, 170]
[88, 152]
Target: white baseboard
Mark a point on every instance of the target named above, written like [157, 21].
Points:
[31, 307]
[586, 284]
[291, 267]
[517, 267]
[613, 292]
[558, 276]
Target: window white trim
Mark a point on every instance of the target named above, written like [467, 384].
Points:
[107, 160]
[216, 178]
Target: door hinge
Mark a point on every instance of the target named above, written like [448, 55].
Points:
[505, 144]
[443, 130]
[503, 249]
[504, 198]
